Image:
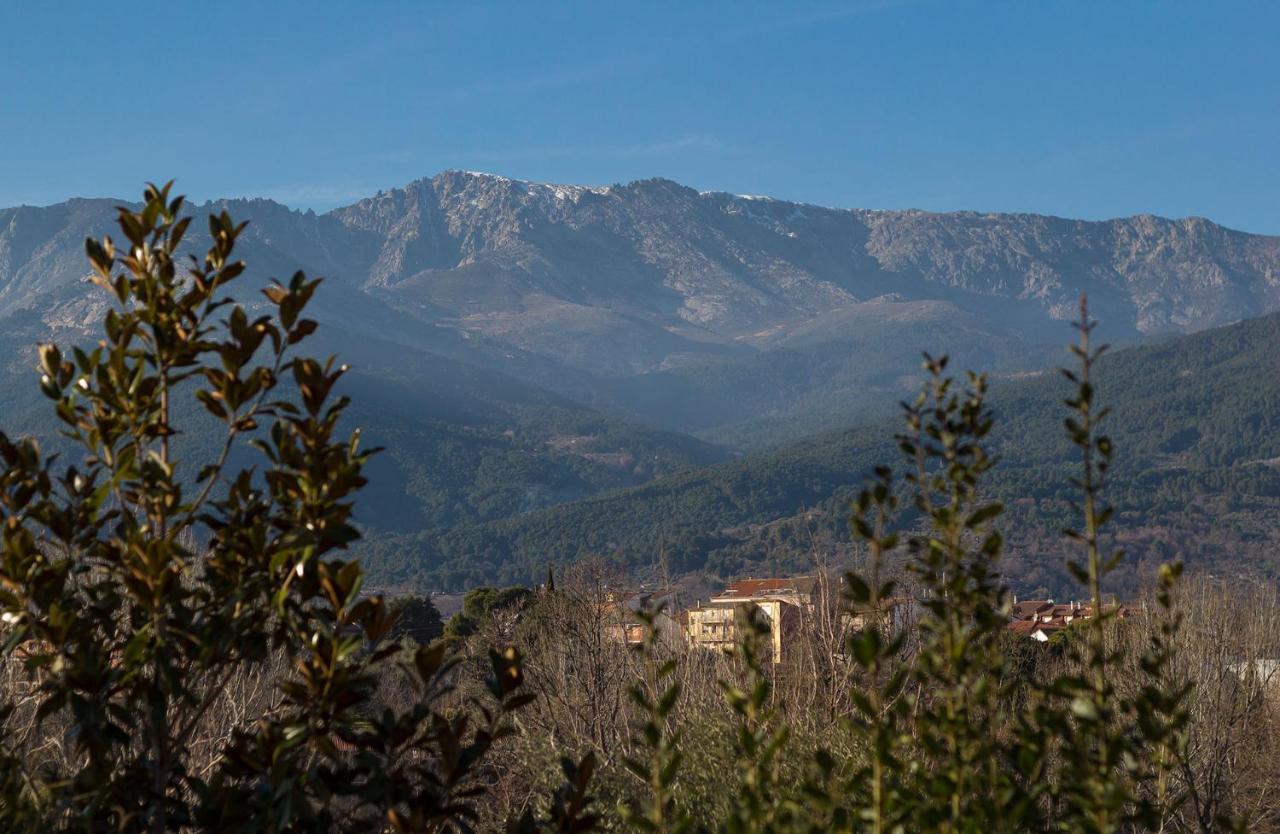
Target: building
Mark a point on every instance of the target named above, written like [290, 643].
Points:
[1047, 611]
[784, 602]
[621, 609]
[1040, 619]
[897, 614]
[1040, 632]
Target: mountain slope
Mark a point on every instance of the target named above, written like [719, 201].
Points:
[463, 444]
[708, 268]
[1196, 419]
[721, 267]
[632, 298]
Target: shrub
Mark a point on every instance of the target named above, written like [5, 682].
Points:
[136, 587]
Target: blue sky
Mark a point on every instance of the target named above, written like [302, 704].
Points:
[1083, 109]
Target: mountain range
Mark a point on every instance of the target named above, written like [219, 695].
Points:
[524, 346]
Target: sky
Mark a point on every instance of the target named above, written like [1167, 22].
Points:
[1079, 109]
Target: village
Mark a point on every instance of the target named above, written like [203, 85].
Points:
[789, 603]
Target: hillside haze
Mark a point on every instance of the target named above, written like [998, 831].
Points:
[1196, 420]
[521, 346]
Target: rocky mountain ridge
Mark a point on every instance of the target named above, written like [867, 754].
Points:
[652, 296]
[708, 266]
[717, 268]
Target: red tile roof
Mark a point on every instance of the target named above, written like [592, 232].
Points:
[758, 587]
[1029, 608]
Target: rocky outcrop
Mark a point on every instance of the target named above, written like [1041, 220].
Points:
[628, 278]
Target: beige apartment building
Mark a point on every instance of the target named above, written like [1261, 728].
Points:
[783, 601]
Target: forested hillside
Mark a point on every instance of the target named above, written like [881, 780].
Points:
[1196, 420]
[462, 444]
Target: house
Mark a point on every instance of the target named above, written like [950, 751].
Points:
[783, 601]
[1040, 632]
[897, 614]
[1047, 611]
[1029, 609]
[1041, 618]
[622, 623]
[1263, 672]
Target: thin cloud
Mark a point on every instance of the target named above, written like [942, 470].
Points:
[548, 80]
[592, 73]
[814, 18]
[688, 143]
